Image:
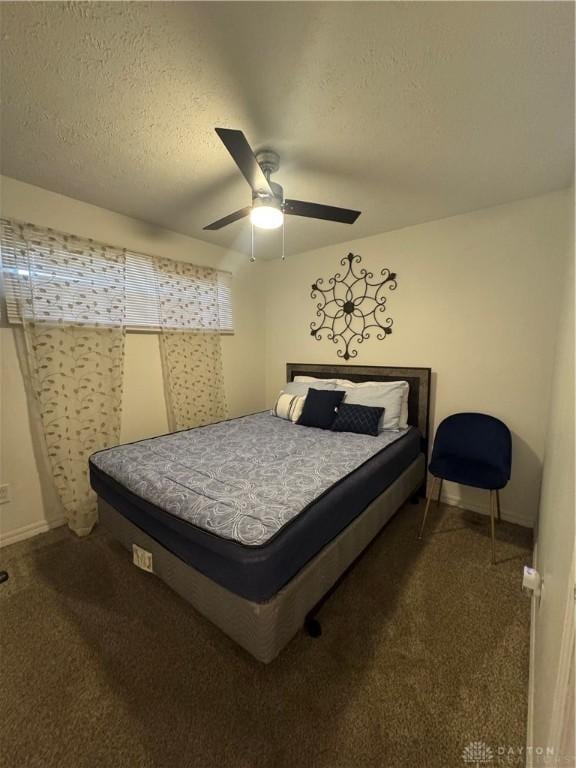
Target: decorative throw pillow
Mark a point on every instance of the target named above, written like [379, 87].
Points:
[362, 419]
[288, 406]
[320, 408]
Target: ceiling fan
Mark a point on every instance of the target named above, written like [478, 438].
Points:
[268, 203]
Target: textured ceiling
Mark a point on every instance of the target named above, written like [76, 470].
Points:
[407, 111]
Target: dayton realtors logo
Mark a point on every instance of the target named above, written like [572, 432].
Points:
[477, 754]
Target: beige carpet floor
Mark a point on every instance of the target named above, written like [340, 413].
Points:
[425, 649]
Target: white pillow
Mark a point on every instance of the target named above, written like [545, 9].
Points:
[301, 388]
[289, 406]
[390, 396]
[402, 421]
[310, 380]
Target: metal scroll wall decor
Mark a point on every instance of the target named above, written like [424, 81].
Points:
[352, 307]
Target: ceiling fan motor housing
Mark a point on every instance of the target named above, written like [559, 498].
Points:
[269, 161]
[262, 199]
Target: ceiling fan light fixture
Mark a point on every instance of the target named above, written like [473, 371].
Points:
[266, 213]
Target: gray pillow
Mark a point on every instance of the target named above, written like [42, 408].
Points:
[301, 388]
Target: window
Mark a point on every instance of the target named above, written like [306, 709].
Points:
[149, 289]
[61, 278]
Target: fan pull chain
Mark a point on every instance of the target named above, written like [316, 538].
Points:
[283, 228]
[252, 257]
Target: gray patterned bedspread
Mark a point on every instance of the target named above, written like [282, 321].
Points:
[242, 479]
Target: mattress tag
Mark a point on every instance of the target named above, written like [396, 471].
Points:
[142, 558]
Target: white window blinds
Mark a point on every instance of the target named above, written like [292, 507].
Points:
[54, 277]
[142, 308]
[63, 279]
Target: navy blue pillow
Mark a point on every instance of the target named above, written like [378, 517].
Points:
[362, 419]
[320, 408]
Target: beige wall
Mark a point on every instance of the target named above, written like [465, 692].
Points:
[553, 614]
[144, 410]
[477, 301]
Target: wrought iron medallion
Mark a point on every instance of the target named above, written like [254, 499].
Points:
[352, 306]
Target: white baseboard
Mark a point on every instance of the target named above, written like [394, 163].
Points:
[484, 509]
[27, 531]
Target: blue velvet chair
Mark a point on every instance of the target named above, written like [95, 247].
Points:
[473, 449]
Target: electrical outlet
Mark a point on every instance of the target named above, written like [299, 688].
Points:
[4, 493]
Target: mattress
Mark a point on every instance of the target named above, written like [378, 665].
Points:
[250, 501]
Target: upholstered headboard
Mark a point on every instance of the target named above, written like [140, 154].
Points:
[418, 380]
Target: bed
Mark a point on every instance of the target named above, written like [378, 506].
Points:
[255, 520]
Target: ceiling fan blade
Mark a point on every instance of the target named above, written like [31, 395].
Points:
[319, 211]
[232, 217]
[237, 144]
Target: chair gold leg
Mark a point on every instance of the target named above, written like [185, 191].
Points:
[492, 510]
[439, 493]
[428, 502]
[498, 506]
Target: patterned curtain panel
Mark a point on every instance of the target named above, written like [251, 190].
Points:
[68, 295]
[193, 378]
[76, 377]
[191, 356]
